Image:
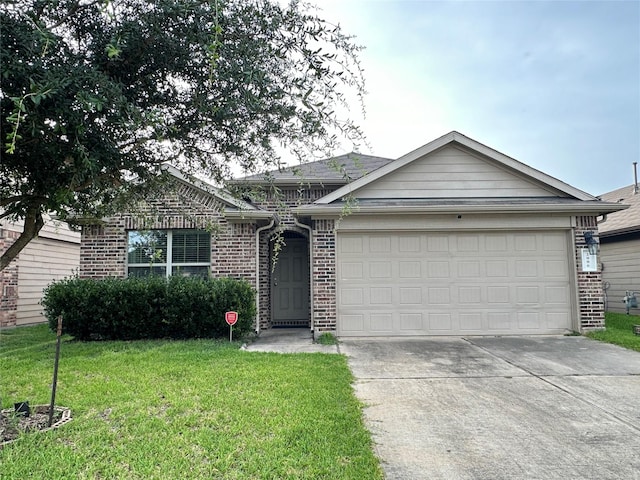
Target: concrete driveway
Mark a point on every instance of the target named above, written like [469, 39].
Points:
[500, 407]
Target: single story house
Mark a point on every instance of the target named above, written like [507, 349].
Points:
[620, 248]
[453, 238]
[54, 254]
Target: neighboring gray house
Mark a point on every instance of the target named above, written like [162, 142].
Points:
[453, 238]
[52, 255]
[620, 248]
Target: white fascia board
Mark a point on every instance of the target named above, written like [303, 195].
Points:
[589, 208]
[469, 143]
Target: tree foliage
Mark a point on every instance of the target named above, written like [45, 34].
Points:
[96, 92]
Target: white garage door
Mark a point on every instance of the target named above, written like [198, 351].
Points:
[476, 283]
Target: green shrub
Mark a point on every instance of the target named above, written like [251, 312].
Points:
[149, 307]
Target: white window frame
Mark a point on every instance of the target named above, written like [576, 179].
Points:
[168, 265]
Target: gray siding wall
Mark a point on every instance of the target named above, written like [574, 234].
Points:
[621, 270]
[452, 172]
[41, 262]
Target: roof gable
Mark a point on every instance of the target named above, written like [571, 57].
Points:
[455, 166]
[232, 207]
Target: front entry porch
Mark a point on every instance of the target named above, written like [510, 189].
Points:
[290, 282]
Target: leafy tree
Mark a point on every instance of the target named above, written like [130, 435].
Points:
[96, 92]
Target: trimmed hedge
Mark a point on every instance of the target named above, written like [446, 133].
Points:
[149, 307]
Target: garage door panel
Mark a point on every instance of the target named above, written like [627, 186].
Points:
[411, 322]
[468, 269]
[411, 269]
[438, 296]
[556, 294]
[352, 297]
[470, 295]
[437, 269]
[382, 322]
[471, 322]
[528, 321]
[352, 324]
[498, 294]
[409, 244]
[380, 270]
[451, 284]
[410, 296]
[352, 271]
[497, 268]
[440, 322]
[381, 296]
[468, 243]
[528, 294]
[526, 269]
[554, 269]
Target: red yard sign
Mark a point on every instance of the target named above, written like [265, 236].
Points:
[231, 318]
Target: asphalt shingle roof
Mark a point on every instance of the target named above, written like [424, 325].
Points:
[336, 170]
[624, 221]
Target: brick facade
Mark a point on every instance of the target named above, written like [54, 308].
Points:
[8, 282]
[324, 275]
[590, 292]
[104, 247]
[285, 199]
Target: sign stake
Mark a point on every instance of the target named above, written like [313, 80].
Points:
[55, 371]
[231, 318]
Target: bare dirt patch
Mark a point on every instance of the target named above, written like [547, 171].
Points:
[12, 425]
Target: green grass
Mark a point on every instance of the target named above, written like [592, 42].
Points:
[183, 410]
[619, 331]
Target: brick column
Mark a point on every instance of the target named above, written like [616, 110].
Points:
[8, 282]
[324, 275]
[590, 292]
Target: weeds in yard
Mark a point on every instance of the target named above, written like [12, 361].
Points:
[327, 338]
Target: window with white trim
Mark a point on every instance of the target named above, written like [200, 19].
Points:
[168, 252]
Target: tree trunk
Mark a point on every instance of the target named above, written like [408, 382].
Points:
[33, 223]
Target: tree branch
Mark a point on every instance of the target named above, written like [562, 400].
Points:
[33, 223]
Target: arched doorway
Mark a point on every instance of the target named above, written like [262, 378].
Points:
[290, 282]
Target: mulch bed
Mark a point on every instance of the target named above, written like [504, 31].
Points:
[12, 425]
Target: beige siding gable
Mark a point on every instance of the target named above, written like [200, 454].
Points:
[454, 172]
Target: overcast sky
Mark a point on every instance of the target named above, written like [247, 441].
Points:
[554, 84]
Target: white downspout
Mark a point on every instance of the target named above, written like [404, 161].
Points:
[310, 230]
[258, 232]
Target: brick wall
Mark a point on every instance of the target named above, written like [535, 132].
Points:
[104, 247]
[8, 282]
[324, 275]
[285, 199]
[590, 292]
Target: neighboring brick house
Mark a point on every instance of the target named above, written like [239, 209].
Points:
[453, 238]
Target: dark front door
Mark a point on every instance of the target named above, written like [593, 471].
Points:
[290, 285]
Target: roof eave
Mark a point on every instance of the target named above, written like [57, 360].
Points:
[248, 215]
[337, 210]
[290, 181]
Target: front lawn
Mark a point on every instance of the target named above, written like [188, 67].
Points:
[619, 331]
[183, 410]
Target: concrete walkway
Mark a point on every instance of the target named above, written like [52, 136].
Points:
[288, 340]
